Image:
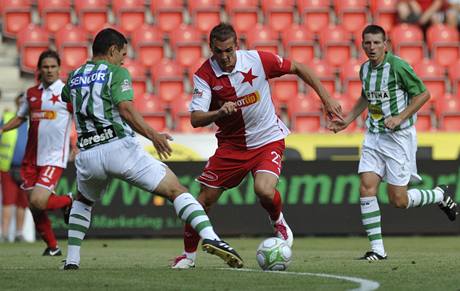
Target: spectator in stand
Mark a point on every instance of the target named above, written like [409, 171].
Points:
[453, 13]
[421, 12]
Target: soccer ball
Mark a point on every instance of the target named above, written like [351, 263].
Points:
[273, 254]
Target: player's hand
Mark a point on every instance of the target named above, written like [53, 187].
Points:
[392, 122]
[161, 144]
[228, 108]
[333, 109]
[336, 125]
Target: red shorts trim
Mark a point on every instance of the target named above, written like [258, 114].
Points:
[11, 193]
[43, 176]
[228, 166]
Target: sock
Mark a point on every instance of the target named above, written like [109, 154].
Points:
[370, 215]
[419, 198]
[57, 202]
[273, 207]
[79, 221]
[191, 256]
[43, 227]
[190, 211]
[191, 239]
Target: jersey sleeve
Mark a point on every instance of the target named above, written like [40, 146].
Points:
[274, 65]
[23, 110]
[201, 96]
[65, 94]
[411, 83]
[121, 87]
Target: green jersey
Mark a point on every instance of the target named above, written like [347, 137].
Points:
[389, 88]
[95, 90]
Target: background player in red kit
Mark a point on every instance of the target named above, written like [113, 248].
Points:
[47, 148]
[231, 89]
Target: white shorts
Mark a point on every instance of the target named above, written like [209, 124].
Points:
[124, 159]
[392, 156]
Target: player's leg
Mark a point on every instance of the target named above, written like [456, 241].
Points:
[21, 205]
[208, 196]
[370, 214]
[8, 201]
[42, 196]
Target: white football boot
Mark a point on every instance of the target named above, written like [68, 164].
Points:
[182, 262]
[283, 231]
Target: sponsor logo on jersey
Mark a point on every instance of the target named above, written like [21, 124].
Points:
[93, 138]
[126, 86]
[43, 114]
[247, 100]
[378, 95]
[80, 81]
[375, 111]
[217, 87]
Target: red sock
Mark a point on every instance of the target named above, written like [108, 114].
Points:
[273, 207]
[191, 239]
[57, 202]
[43, 227]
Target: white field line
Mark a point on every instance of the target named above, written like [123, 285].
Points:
[364, 284]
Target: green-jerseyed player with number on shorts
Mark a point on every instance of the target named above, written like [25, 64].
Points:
[101, 94]
[393, 94]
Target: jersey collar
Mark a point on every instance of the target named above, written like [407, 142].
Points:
[239, 66]
[55, 87]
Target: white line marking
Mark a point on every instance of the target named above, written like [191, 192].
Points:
[365, 285]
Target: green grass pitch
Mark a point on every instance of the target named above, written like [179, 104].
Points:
[415, 263]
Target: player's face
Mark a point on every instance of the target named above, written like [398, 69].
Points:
[49, 71]
[374, 46]
[224, 52]
[117, 56]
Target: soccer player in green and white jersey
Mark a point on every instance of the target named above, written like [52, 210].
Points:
[101, 94]
[393, 94]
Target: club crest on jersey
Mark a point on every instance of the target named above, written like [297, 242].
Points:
[247, 100]
[378, 95]
[43, 114]
[197, 93]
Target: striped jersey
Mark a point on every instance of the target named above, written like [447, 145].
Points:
[95, 90]
[255, 123]
[49, 125]
[388, 88]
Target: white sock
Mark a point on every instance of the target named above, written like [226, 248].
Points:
[191, 256]
[418, 198]
[79, 221]
[190, 211]
[370, 215]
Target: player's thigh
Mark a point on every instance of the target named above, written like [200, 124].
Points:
[267, 167]
[91, 177]
[169, 186]
[371, 161]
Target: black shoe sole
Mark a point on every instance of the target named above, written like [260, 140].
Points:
[229, 258]
[71, 267]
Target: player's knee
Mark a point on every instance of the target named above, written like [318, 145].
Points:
[367, 190]
[264, 192]
[398, 201]
[37, 202]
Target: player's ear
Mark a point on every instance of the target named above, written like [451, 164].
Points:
[112, 50]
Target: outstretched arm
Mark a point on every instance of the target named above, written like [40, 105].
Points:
[13, 123]
[358, 108]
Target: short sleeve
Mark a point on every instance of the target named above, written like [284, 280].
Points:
[23, 110]
[274, 65]
[65, 94]
[201, 96]
[121, 86]
[410, 82]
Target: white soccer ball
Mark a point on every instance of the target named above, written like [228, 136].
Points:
[273, 254]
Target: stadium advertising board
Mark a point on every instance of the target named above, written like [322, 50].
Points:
[320, 198]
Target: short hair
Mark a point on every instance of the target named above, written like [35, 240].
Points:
[107, 38]
[222, 32]
[374, 29]
[48, 54]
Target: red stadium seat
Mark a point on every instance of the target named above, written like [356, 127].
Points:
[72, 45]
[407, 41]
[349, 75]
[433, 76]
[54, 13]
[92, 14]
[167, 77]
[168, 14]
[347, 102]
[325, 73]
[315, 14]
[243, 14]
[205, 14]
[152, 109]
[147, 42]
[454, 75]
[448, 112]
[181, 115]
[32, 41]
[335, 42]
[262, 38]
[193, 68]
[130, 14]
[384, 12]
[443, 42]
[16, 15]
[352, 14]
[280, 13]
[305, 113]
[138, 76]
[299, 44]
[186, 42]
[425, 118]
[284, 88]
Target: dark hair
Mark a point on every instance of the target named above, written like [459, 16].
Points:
[48, 54]
[374, 29]
[107, 38]
[222, 32]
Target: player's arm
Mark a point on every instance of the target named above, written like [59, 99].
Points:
[358, 108]
[415, 104]
[13, 123]
[331, 105]
[200, 118]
